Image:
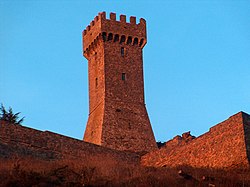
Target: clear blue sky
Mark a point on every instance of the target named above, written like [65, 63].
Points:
[196, 62]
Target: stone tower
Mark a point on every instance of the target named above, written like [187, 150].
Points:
[118, 117]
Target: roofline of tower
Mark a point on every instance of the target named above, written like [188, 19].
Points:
[101, 26]
[112, 16]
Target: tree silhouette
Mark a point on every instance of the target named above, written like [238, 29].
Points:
[9, 116]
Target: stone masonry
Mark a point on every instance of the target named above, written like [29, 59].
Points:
[226, 145]
[16, 140]
[118, 117]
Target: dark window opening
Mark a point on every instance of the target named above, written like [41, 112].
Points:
[129, 40]
[104, 36]
[122, 51]
[110, 36]
[118, 110]
[96, 82]
[116, 38]
[123, 38]
[123, 76]
[141, 42]
[135, 41]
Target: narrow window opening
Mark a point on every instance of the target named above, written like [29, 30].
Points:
[116, 38]
[141, 42]
[123, 76]
[123, 38]
[122, 51]
[110, 36]
[96, 82]
[104, 36]
[135, 41]
[129, 40]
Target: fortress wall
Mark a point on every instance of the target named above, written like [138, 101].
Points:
[223, 146]
[23, 141]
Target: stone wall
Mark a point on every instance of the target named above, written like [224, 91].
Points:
[16, 140]
[225, 145]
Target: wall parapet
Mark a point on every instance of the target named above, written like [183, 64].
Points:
[28, 142]
[112, 17]
[104, 29]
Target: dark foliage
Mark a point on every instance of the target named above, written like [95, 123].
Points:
[9, 117]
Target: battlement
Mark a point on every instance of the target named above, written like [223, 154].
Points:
[112, 30]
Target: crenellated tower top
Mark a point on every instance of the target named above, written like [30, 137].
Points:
[101, 28]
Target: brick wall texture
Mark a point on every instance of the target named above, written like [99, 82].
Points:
[27, 142]
[226, 145]
[118, 117]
